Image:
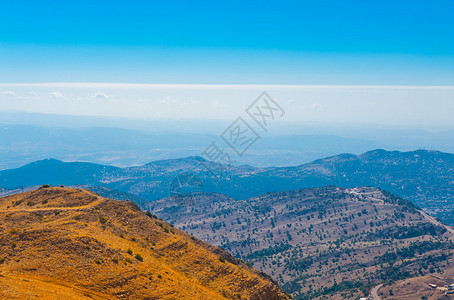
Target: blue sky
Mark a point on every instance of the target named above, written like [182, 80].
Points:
[231, 42]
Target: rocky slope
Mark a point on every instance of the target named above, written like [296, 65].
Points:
[62, 243]
[321, 242]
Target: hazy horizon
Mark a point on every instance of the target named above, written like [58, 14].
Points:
[424, 106]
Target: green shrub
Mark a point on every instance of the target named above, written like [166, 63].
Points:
[139, 257]
[149, 214]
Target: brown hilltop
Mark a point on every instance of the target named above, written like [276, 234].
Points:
[61, 243]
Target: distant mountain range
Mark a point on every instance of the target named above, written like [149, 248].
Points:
[424, 177]
[20, 144]
[28, 137]
[319, 242]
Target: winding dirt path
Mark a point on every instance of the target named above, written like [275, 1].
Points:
[89, 205]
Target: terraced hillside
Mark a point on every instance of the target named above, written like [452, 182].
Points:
[61, 243]
[321, 242]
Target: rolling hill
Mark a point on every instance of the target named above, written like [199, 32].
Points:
[322, 242]
[62, 243]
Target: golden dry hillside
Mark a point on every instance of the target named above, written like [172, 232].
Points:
[62, 243]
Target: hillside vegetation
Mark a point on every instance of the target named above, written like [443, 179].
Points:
[321, 242]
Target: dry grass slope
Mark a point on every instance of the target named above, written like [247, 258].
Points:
[60, 243]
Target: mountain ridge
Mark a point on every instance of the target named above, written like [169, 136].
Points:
[424, 177]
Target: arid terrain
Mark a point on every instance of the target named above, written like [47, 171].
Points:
[319, 243]
[62, 243]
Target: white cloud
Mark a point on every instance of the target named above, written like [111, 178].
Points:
[9, 93]
[339, 104]
[57, 95]
[100, 95]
